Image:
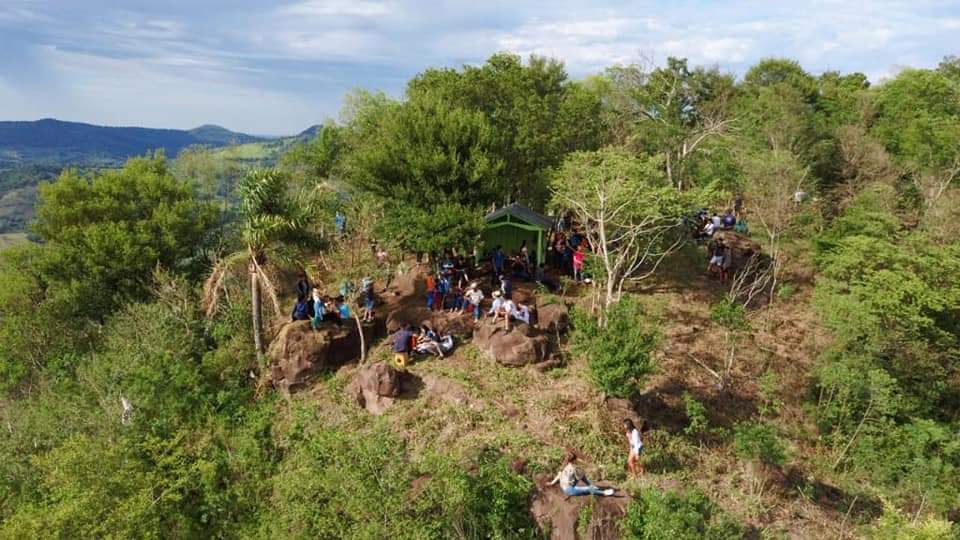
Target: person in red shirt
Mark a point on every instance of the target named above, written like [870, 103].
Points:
[578, 257]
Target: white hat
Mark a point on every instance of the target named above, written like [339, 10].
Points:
[496, 294]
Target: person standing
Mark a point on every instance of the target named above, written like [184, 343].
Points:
[475, 298]
[636, 447]
[578, 257]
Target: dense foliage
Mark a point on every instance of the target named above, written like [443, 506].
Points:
[134, 404]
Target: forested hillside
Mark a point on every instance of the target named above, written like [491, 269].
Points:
[808, 389]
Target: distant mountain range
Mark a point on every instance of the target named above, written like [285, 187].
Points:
[31, 152]
[51, 141]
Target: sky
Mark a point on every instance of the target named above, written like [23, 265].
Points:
[278, 66]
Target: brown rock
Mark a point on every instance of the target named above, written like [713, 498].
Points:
[550, 508]
[518, 347]
[375, 387]
[298, 352]
[553, 318]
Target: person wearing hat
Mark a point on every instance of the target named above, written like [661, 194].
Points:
[474, 296]
[501, 306]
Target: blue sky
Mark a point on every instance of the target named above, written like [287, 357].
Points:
[278, 66]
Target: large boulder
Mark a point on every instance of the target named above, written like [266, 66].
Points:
[298, 351]
[375, 387]
[561, 515]
[553, 318]
[518, 347]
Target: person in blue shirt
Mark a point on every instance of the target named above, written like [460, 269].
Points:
[343, 309]
[498, 260]
[302, 310]
[341, 223]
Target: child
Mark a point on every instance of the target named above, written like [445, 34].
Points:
[578, 257]
[636, 447]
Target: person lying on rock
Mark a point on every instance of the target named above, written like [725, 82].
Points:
[569, 477]
[521, 312]
[428, 342]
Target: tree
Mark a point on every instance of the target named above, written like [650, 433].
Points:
[673, 111]
[113, 228]
[774, 178]
[317, 159]
[432, 230]
[422, 152]
[631, 215]
[536, 114]
[918, 120]
[275, 227]
[620, 355]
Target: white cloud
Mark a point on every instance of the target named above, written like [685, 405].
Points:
[336, 8]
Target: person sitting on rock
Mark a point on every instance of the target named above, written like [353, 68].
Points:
[302, 310]
[402, 342]
[569, 477]
[506, 309]
[318, 309]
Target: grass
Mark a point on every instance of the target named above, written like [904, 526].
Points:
[12, 239]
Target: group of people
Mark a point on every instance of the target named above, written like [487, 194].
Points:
[427, 341]
[312, 305]
[567, 253]
[709, 225]
[574, 483]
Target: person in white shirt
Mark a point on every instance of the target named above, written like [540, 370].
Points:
[474, 297]
[569, 477]
[521, 313]
[636, 447]
[501, 306]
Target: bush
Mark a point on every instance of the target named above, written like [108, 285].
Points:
[697, 425]
[758, 441]
[620, 354]
[689, 515]
[894, 525]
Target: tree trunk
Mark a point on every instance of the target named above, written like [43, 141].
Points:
[256, 309]
[363, 341]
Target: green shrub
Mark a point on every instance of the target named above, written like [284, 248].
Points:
[697, 423]
[690, 515]
[760, 442]
[620, 354]
[894, 525]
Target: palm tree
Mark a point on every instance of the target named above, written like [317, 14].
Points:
[274, 227]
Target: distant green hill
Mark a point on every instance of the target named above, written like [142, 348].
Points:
[31, 152]
[56, 142]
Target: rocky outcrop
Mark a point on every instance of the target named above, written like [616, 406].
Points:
[554, 511]
[375, 387]
[553, 318]
[298, 352]
[520, 346]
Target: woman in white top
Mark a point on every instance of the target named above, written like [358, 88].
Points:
[569, 477]
[636, 447]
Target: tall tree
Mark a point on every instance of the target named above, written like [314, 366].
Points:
[673, 110]
[275, 226]
[630, 213]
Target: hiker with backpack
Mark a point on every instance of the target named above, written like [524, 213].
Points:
[302, 310]
[570, 477]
